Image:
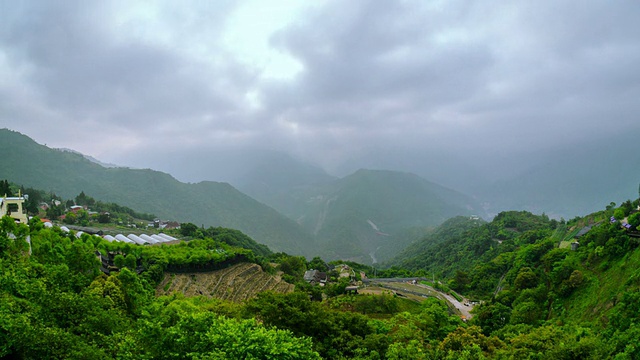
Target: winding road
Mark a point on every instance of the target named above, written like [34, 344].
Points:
[406, 285]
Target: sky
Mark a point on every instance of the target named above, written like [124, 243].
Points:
[445, 85]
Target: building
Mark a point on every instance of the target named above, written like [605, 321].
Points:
[315, 277]
[14, 207]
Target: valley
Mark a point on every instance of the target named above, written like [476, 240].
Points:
[309, 180]
[303, 210]
[500, 286]
[492, 288]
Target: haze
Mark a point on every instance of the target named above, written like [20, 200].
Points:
[456, 91]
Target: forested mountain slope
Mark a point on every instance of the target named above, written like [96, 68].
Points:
[366, 215]
[525, 268]
[280, 181]
[206, 203]
[542, 300]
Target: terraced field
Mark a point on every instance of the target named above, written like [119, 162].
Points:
[236, 283]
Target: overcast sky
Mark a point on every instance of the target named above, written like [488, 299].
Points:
[337, 83]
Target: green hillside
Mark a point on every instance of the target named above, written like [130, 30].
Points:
[280, 182]
[523, 267]
[369, 214]
[207, 203]
[203, 299]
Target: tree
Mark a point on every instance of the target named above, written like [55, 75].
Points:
[135, 294]
[130, 261]
[627, 206]
[83, 199]
[33, 200]
[411, 350]
[81, 259]
[527, 312]
[13, 237]
[634, 220]
[104, 218]
[83, 217]
[70, 218]
[526, 279]
[118, 261]
[193, 334]
[576, 279]
[318, 264]
[189, 229]
[492, 316]
[469, 339]
[461, 280]
[5, 188]
[294, 266]
[54, 211]
[618, 214]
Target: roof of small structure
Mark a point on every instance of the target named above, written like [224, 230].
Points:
[309, 275]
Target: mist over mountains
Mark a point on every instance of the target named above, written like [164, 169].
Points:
[297, 207]
[327, 216]
[573, 179]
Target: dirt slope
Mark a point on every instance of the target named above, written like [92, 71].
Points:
[236, 283]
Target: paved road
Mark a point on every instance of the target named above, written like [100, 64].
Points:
[405, 284]
[464, 310]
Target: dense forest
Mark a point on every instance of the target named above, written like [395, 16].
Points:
[540, 296]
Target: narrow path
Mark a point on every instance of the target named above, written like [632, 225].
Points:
[499, 286]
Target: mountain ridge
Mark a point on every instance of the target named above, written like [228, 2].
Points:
[364, 216]
[206, 203]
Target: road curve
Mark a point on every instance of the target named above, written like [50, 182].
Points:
[404, 284]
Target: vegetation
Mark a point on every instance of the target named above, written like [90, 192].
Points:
[57, 304]
[206, 203]
[236, 283]
[540, 301]
[393, 202]
[566, 301]
[327, 214]
[546, 289]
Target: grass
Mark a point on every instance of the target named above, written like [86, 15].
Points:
[573, 233]
[601, 289]
[559, 233]
[565, 244]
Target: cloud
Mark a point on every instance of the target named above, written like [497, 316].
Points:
[459, 69]
[342, 84]
[88, 68]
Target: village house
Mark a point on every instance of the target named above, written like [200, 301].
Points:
[315, 277]
[14, 207]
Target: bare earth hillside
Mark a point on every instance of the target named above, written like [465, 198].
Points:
[236, 283]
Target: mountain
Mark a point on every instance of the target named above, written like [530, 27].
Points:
[279, 181]
[90, 158]
[460, 242]
[368, 216]
[344, 213]
[537, 272]
[206, 203]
